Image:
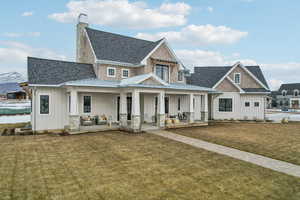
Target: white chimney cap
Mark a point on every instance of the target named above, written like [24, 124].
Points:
[82, 18]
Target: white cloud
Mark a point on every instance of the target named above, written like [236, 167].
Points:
[198, 35]
[13, 55]
[276, 74]
[198, 57]
[27, 14]
[210, 9]
[122, 13]
[16, 35]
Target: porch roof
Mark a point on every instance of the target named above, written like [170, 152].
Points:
[117, 84]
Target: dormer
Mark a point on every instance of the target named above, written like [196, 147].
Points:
[284, 93]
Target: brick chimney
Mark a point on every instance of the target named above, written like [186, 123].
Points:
[81, 37]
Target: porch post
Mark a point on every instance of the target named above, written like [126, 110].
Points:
[191, 108]
[161, 110]
[74, 120]
[123, 110]
[205, 107]
[136, 115]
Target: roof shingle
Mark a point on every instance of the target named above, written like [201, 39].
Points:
[209, 76]
[53, 72]
[115, 47]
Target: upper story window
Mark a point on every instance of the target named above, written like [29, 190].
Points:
[237, 78]
[111, 72]
[180, 76]
[125, 73]
[296, 93]
[44, 104]
[247, 104]
[284, 93]
[256, 104]
[162, 71]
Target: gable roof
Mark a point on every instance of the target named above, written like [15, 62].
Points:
[119, 48]
[140, 78]
[209, 76]
[53, 72]
[10, 88]
[289, 87]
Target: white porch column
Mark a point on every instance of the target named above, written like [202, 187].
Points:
[161, 110]
[191, 108]
[136, 113]
[74, 120]
[205, 107]
[123, 109]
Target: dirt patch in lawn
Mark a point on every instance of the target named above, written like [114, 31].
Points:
[278, 141]
[115, 165]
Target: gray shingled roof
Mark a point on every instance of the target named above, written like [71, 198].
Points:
[289, 87]
[52, 72]
[115, 47]
[10, 88]
[209, 76]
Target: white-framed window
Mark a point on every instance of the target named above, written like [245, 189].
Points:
[247, 104]
[237, 78]
[225, 105]
[256, 104]
[284, 93]
[178, 104]
[296, 93]
[87, 104]
[162, 71]
[111, 72]
[44, 104]
[180, 76]
[125, 73]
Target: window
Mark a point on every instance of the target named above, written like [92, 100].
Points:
[296, 93]
[237, 78]
[162, 71]
[44, 104]
[87, 101]
[178, 105]
[256, 104]
[125, 73]
[225, 105]
[180, 76]
[111, 72]
[247, 104]
[166, 105]
[284, 93]
[69, 99]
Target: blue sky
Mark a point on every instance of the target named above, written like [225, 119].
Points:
[203, 32]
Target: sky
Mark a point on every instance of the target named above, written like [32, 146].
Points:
[201, 32]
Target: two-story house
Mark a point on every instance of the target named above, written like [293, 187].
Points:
[244, 91]
[288, 96]
[125, 81]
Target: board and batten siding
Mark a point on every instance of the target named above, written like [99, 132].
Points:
[58, 116]
[101, 104]
[239, 111]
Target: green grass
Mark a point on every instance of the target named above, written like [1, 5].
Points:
[115, 165]
[278, 141]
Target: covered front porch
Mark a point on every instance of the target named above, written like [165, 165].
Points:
[134, 109]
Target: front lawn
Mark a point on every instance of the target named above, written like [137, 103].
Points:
[116, 165]
[278, 141]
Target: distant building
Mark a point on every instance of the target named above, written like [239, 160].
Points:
[12, 91]
[288, 96]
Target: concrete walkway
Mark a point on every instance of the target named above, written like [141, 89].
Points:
[263, 161]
